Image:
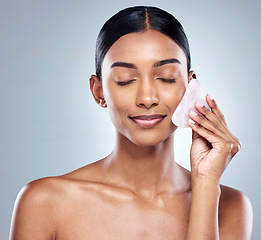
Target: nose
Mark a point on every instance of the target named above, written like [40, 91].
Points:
[147, 95]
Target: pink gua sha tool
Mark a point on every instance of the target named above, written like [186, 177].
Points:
[192, 95]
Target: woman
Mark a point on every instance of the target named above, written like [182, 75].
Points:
[139, 191]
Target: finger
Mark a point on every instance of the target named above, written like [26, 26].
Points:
[211, 122]
[216, 122]
[195, 135]
[216, 141]
[215, 109]
[208, 124]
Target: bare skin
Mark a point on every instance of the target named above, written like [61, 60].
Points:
[139, 192]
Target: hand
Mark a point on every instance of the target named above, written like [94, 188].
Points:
[213, 145]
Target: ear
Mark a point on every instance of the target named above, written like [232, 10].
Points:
[97, 90]
[191, 75]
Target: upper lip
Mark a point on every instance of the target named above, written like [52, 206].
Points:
[148, 117]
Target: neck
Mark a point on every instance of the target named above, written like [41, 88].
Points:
[146, 170]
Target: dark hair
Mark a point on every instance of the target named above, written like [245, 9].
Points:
[138, 19]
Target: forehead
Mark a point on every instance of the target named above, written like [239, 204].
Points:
[143, 48]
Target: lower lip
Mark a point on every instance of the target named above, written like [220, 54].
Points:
[147, 123]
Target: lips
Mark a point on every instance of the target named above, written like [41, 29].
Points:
[147, 121]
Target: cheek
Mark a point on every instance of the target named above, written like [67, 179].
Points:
[117, 102]
[172, 96]
[114, 98]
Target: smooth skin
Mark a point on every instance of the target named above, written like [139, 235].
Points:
[139, 192]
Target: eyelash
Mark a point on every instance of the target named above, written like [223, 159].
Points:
[125, 83]
[171, 80]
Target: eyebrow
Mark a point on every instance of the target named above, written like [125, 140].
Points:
[166, 61]
[157, 64]
[123, 64]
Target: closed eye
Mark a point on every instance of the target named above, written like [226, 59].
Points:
[167, 80]
[125, 82]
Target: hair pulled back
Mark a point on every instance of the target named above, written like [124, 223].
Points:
[139, 19]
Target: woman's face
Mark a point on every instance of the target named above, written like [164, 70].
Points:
[144, 76]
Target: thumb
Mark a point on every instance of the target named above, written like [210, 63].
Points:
[195, 135]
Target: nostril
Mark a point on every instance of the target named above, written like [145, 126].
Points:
[147, 95]
[148, 105]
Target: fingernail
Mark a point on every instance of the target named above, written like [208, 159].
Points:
[200, 104]
[210, 97]
[191, 121]
[193, 113]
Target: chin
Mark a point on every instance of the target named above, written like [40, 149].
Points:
[149, 140]
[147, 137]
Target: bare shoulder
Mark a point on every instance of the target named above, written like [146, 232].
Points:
[42, 203]
[235, 214]
[33, 215]
[51, 190]
[42, 191]
[234, 201]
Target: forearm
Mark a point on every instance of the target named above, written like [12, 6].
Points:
[203, 219]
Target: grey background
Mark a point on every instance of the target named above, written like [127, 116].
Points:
[49, 123]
